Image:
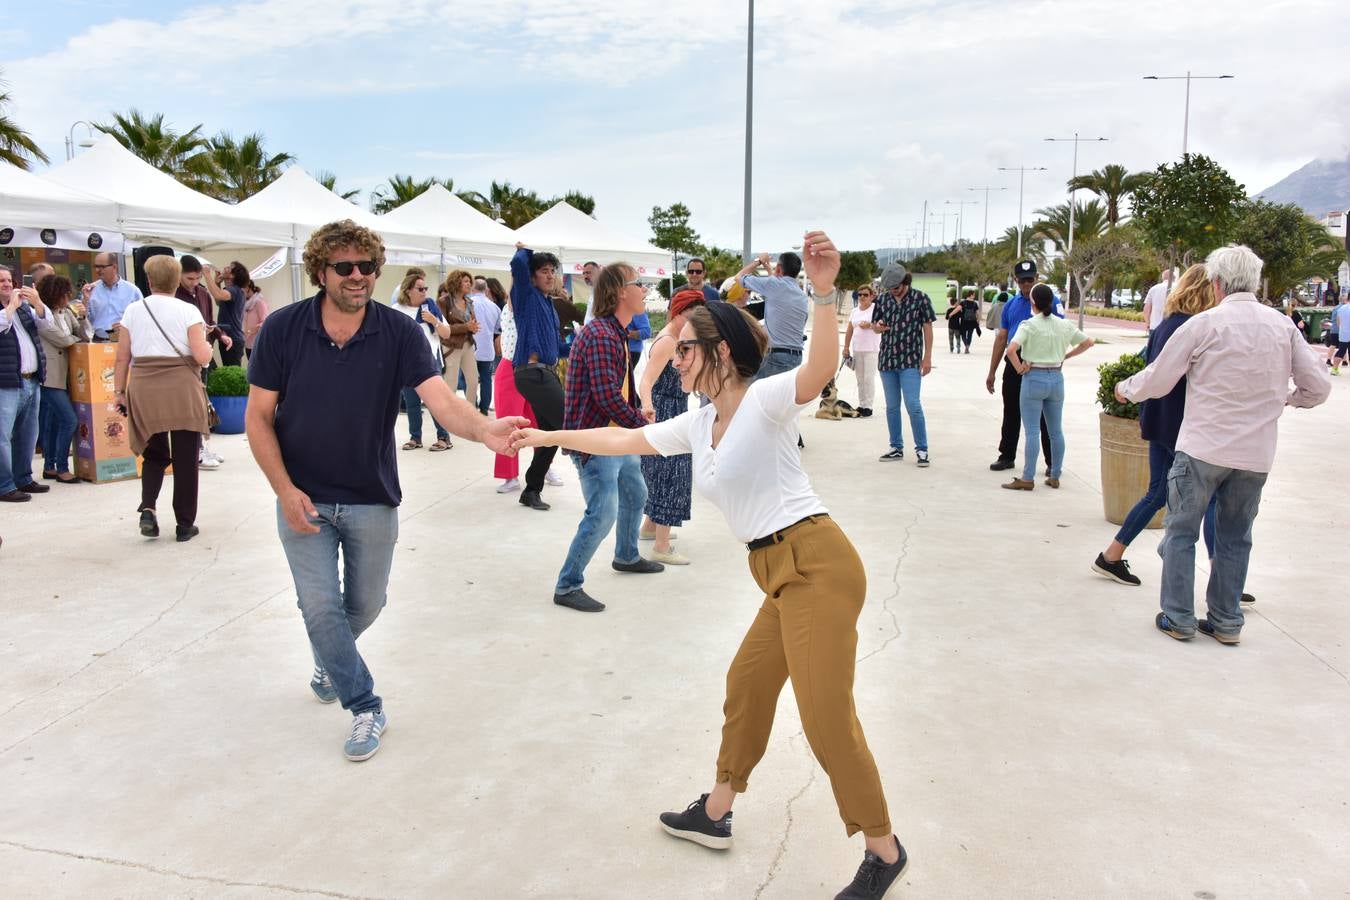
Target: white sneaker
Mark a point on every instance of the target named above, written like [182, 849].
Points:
[553, 478]
[508, 486]
[206, 461]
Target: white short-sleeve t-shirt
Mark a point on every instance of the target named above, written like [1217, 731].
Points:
[174, 316]
[755, 475]
[864, 340]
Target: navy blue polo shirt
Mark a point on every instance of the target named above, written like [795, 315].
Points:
[335, 416]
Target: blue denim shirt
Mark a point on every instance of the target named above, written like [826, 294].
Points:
[106, 304]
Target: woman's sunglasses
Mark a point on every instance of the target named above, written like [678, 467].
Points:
[365, 267]
[682, 349]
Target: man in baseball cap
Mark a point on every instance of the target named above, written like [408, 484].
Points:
[1015, 312]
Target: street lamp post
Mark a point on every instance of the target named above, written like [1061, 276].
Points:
[1068, 278]
[944, 214]
[749, 126]
[1188, 78]
[1021, 178]
[960, 212]
[986, 188]
[70, 138]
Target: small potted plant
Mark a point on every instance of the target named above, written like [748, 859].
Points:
[1125, 470]
[227, 387]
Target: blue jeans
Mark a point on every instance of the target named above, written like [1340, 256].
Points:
[613, 488]
[413, 404]
[1237, 493]
[1159, 464]
[1042, 394]
[337, 609]
[57, 427]
[18, 433]
[898, 384]
[485, 369]
[777, 363]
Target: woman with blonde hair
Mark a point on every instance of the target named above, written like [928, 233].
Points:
[413, 302]
[1159, 424]
[459, 348]
[746, 462]
[161, 351]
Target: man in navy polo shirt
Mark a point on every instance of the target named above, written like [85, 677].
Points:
[1016, 311]
[326, 375]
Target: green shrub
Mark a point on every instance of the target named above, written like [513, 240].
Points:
[1106, 312]
[1109, 375]
[227, 381]
[658, 321]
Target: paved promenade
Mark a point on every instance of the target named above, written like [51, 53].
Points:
[1037, 737]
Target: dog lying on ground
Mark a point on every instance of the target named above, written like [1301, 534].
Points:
[831, 407]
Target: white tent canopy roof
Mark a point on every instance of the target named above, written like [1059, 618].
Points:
[26, 199]
[297, 197]
[154, 206]
[471, 238]
[577, 238]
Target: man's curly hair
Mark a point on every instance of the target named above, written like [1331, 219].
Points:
[334, 236]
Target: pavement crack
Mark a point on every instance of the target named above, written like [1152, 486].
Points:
[186, 876]
[787, 830]
[1311, 652]
[895, 583]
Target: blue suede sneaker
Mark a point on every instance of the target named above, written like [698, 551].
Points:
[1166, 627]
[364, 741]
[322, 686]
[1231, 638]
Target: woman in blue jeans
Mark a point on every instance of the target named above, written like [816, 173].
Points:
[1159, 424]
[56, 415]
[1038, 351]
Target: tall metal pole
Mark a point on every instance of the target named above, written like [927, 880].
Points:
[1186, 121]
[924, 236]
[986, 188]
[1021, 178]
[749, 126]
[1068, 277]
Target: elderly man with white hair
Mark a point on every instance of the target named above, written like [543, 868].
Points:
[1238, 359]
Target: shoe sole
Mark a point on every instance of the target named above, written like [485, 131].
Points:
[320, 697]
[698, 837]
[508, 490]
[923, 464]
[365, 756]
[1107, 573]
[1225, 639]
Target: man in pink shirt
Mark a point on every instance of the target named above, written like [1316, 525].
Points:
[1238, 359]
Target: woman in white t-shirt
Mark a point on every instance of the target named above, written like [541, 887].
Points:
[413, 302]
[861, 344]
[746, 462]
[160, 354]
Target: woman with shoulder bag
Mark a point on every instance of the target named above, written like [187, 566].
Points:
[160, 355]
[459, 347]
[57, 416]
[412, 301]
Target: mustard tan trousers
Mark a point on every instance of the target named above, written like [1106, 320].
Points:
[806, 630]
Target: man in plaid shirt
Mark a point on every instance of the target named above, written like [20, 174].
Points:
[599, 392]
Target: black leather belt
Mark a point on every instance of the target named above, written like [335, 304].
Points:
[785, 350]
[29, 376]
[778, 536]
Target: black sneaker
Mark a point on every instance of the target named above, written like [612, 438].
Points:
[694, 825]
[532, 500]
[874, 876]
[641, 567]
[185, 533]
[999, 465]
[891, 455]
[1247, 599]
[1118, 571]
[579, 600]
[1204, 627]
[864, 412]
[149, 525]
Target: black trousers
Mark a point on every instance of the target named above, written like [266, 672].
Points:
[233, 356]
[1012, 418]
[179, 448]
[542, 390]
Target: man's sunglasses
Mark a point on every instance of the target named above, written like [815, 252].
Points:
[365, 267]
[693, 271]
[682, 349]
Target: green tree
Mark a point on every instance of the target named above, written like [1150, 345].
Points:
[16, 147]
[329, 180]
[1089, 221]
[1188, 208]
[1292, 246]
[1112, 184]
[577, 200]
[856, 267]
[186, 156]
[671, 230]
[720, 263]
[514, 206]
[399, 189]
[243, 167]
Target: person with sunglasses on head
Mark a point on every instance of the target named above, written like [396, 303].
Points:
[326, 376]
[861, 344]
[107, 297]
[746, 462]
[536, 356]
[414, 303]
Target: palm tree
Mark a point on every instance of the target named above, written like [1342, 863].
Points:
[1112, 183]
[577, 200]
[16, 147]
[515, 206]
[1089, 221]
[1005, 248]
[399, 189]
[329, 180]
[186, 156]
[242, 168]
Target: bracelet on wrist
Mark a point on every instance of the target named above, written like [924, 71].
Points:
[829, 298]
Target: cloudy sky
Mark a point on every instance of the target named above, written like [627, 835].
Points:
[864, 110]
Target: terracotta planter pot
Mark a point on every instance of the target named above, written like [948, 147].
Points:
[1124, 469]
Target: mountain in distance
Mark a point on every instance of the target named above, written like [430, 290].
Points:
[1319, 187]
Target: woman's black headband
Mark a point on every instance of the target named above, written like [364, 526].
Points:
[735, 331]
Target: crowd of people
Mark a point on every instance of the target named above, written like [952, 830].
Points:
[322, 417]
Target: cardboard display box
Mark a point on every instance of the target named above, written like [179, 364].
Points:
[91, 372]
[102, 443]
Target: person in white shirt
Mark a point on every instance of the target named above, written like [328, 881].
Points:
[861, 344]
[487, 344]
[588, 273]
[746, 462]
[1155, 301]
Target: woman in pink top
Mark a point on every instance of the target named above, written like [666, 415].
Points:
[255, 310]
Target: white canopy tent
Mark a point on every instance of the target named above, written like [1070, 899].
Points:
[577, 238]
[37, 213]
[469, 239]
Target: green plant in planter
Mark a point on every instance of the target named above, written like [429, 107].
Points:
[1109, 375]
[227, 381]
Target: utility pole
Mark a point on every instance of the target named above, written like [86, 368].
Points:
[986, 188]
[1186, 122]
[749, 128]
[1068, 278]
[1021, 178]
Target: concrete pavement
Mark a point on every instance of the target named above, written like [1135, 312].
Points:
[1037, 737]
